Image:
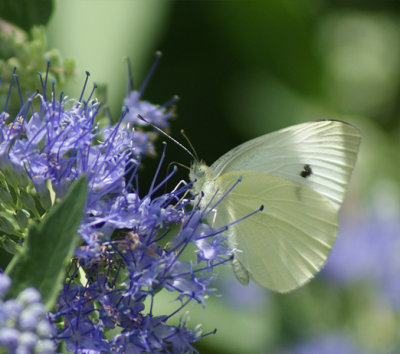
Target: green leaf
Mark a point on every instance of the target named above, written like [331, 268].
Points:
[8, 224]
[8, 244]
[49, 246]
[6, 197]
[26, 13]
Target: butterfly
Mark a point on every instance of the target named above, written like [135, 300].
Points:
[293, 181]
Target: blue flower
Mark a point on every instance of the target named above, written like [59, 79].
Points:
[132, 244]
[24, 325]
[136, 264]
[156, 114]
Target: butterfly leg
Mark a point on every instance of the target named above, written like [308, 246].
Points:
[180, 184]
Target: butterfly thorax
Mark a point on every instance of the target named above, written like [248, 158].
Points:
[203, 180]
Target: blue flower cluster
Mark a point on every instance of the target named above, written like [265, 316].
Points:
[132, 245]
[24, 325]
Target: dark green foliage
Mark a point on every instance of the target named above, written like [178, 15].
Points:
[26, 13]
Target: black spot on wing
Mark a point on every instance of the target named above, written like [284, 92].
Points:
[306, 172]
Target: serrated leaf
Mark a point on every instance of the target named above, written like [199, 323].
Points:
[49, 246]
[26, 13]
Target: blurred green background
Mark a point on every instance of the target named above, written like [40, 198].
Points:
[246, 68]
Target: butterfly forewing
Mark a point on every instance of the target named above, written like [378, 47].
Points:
[328, 148]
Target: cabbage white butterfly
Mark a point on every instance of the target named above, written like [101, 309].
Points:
[299, 176]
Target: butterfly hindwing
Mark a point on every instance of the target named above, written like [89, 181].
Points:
[286, 243]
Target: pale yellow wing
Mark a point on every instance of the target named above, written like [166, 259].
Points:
[285, 244]
[329, 148]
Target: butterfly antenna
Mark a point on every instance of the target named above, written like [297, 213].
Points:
[190, 145]
[194, 156]
[179, 164]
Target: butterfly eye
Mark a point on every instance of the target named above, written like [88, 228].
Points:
[200, 171]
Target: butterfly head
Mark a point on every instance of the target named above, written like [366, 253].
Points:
[203, 181]
[198, 170]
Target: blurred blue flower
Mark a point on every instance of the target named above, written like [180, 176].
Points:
[327, 344]
[367, 249]
[238, 296]
[24, 324]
